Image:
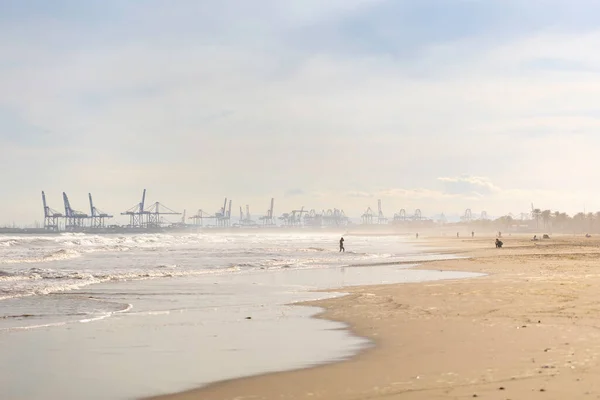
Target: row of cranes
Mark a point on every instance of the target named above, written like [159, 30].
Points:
[143, 216]
[151, 217]
[265, 220]
[222, 218]
[469, 216]
[370, 218]
[313, 218]
[73, 220]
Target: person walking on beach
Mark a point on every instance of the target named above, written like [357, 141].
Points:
[342, 245]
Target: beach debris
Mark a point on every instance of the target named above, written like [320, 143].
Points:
[501, 388]
[475, 395]
[248, 317]
[545, 236]
[542, 390]
[547, 350]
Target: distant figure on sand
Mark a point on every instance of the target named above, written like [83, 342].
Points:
[472, 234]
[342, 245]
[417, 235]
[456, 234]
[498, 243]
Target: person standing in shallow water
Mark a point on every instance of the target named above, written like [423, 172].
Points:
[342, 245]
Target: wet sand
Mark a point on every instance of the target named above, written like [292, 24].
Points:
[530, 329]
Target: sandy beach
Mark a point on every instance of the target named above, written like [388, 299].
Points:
[529, 329]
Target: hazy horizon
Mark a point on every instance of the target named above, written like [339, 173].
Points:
[441, 106]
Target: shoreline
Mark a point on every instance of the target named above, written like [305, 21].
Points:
[341, 293]
[459, 338]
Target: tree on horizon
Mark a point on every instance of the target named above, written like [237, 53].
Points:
[546, 216]
[535, 214]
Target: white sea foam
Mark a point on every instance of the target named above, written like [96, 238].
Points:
[69, 261]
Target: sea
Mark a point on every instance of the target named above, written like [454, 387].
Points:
[128, 316]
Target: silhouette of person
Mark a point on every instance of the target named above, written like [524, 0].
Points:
[342, 245]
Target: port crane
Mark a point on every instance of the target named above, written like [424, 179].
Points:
[268, 219]
[367, 217]
[148, 217]
[74, 220]
[381, 219]
[98, 217]
[199, 218]
[51, 216]
[224, 216]
[246, 219]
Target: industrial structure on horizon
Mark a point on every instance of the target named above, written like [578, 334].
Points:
[152, 217]
[73, 220]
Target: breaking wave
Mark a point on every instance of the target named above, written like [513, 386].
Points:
[73, 260]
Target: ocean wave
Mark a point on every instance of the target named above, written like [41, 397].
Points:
[314, 249]
[172, 256]
[29, 327]
[33, 249]
[84, 317]
[62, 254]
[56, 255]
[39, 281]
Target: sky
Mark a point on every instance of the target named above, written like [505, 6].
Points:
[440, 105]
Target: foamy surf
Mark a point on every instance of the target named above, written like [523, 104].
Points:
[34, 266]
[71, 261]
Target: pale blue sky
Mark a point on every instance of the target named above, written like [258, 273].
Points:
[441, 105]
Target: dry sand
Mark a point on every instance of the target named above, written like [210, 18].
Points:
[528, 330]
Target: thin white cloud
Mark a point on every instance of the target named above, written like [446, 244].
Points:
[469, 185]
